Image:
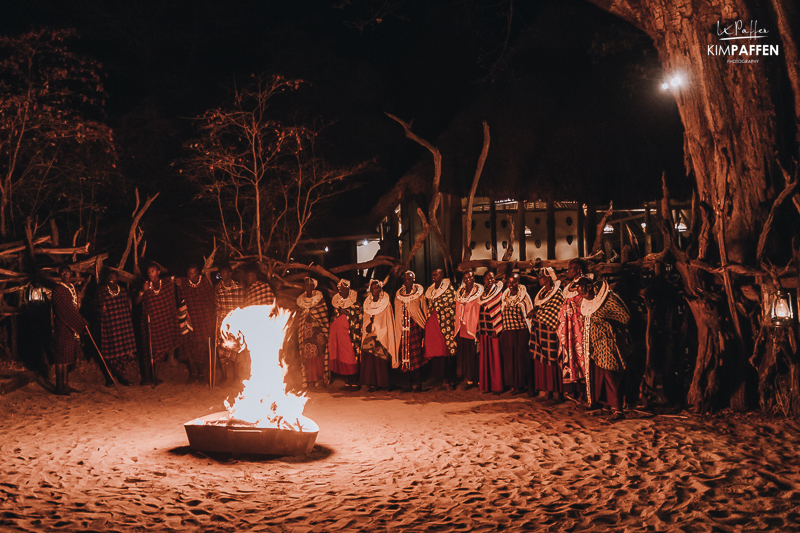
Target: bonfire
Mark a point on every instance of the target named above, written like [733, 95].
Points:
[263, 417]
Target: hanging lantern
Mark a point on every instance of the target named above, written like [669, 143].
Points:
[781, 310]
[33, 293]
[608, 229]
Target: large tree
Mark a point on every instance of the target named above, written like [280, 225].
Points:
[733, 113]
[55, 150]
[741, 146]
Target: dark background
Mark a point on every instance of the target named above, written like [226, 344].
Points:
[571, 94]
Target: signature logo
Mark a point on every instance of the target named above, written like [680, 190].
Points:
[738, 30]
[731, 36]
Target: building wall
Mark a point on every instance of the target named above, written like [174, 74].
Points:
[566, 231]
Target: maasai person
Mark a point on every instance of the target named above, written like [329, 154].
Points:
[605, 341]
[515, 336]
[570, 337]
[410, 314]
[467, 310]
[198, 294]
[440, 329]
[490, 324]
[117, 337]
[544, 339]
[312, 335]
[378, 348]
[68, 324]
[160, 332]
[258, 292]
[229, 295]
[344, 342]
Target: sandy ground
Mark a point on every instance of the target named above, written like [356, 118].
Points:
[435, 461]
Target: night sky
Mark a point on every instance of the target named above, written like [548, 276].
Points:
[570, 70]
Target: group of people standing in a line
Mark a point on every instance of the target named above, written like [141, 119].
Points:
[176, 312]
[570, 338]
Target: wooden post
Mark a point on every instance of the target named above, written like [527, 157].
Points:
[456, 223]
[521, 228]
[493, 226]
[581, 231]
[591, 226]
[551, 230]
[648, 230]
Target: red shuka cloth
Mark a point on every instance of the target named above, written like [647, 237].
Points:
[67, 325]
[340, 346]
[161, 333]
[435, 344]
[117, 337]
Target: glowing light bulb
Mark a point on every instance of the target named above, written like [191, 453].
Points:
[675, 81]
[665, 86]
[326, 248]
[781, 309]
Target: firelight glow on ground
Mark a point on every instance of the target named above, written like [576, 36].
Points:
[449, 461]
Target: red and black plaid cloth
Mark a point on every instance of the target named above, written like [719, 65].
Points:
[228, 299]
[514, 318]
[548, 311]
[161, 334]
[543, 343]
[68, 324]
[200, 305]
[490, 316]
[259, 293]
[117, 336]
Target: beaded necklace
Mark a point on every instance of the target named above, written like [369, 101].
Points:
[432, 293]
[154, 289]
[344, 303]
[371, 307]
[475, 293]
[199, 281]
[491, 293]
[416, 289]
[513, 300]
[542, 297]
[114, 294]
[72, 292]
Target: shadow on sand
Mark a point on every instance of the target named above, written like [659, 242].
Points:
[318, 453]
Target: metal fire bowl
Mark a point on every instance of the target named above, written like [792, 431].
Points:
[246, 440]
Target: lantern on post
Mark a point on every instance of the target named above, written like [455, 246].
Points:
[781, 309]
[33, 293]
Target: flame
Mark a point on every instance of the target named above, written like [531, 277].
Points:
[264, 400]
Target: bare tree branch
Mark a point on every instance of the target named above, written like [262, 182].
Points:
[471, 198]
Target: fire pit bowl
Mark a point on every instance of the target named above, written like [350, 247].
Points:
[217, 432]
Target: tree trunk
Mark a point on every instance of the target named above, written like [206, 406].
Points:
[703, 393]
[258, 226]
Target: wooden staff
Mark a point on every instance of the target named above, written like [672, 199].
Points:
[150, 344]
[215, 362]
[102, 359]
[210, 365]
